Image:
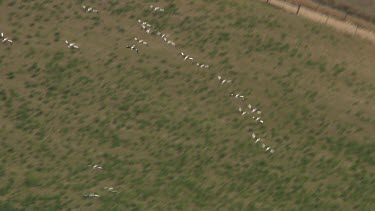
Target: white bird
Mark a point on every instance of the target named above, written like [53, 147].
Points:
[89, 9]
[165, 39]
[249, 106]
[139, 21]
[263, 145]
[237, 95]
[151, 6]
[198, 65]
[84, 6]
[240, 109]
[253, 135]
[202, 65]
[110, 189]
[162, 36]
[96, 167]
[256, 141]
[259, 112]
[173, 44]
[156, 8]
[223, 81]
[95, 11]
[243, 113]
[231, 94]
[206, 66]
[158, 33]
[145, 43]
[257, 119]
[272, 151]
[242, 97]
[253, 110]
[161, 10]
[268, 148]
[136, 39]
[187, 56]
[219, 77]
[148, 31]
[133, 48]
[261, 121]
[91, 195]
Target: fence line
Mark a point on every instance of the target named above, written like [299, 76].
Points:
[343, 26]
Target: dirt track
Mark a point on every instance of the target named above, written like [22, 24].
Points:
[321, 18]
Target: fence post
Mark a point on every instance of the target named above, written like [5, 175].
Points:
[299, 7]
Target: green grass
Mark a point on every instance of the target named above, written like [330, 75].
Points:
[168, 135]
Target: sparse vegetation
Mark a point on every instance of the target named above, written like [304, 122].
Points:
[167, 134]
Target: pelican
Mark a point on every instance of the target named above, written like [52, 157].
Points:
[261, 121]
[268, 148]
[253, 135]
[145, 43]
[242, 97]
[223, 81]
[243, 113]
[202, 65]
[187, 56]
[219, 77]
[139, 21]
[148, 31]
[240, 109]
[91, 195]
[257, 119]
[110, 189]
[156, 8]
[237, 95]
[136, 39]
[96, 167]
[256, 141]
[253, 110]
[89, 9]
[249, 106]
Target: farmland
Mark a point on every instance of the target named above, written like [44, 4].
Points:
[168, 135]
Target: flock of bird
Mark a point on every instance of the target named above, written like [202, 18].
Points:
[109, 189]
[156, 8]
[248, 110]
[5, 39]
[89, 9]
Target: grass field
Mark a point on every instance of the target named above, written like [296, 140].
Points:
[167, 134]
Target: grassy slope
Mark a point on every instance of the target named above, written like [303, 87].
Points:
[168, 135]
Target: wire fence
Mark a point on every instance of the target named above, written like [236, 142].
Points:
[332, 21]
